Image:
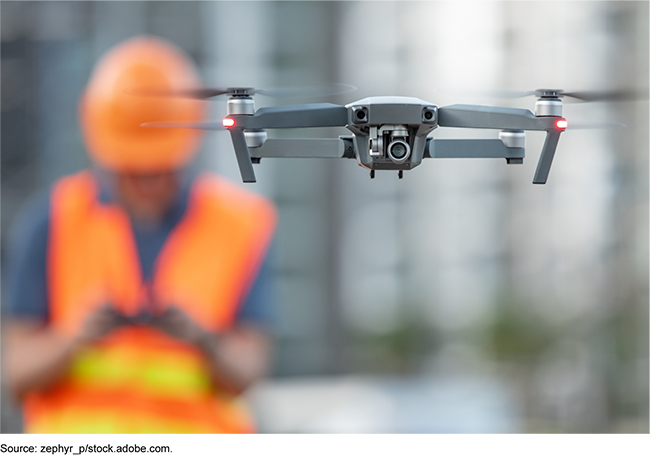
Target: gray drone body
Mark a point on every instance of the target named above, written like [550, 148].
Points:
[391, 133]
[388, 133]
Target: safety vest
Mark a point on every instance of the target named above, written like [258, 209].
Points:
[138, 379]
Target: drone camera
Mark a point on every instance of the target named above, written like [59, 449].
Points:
[399, 151]
[429, 114]
[398, 148]
[391, 141]
[359, 114]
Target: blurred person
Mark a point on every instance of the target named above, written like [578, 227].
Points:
[138, 291]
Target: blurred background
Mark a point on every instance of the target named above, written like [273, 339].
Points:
[461, 298]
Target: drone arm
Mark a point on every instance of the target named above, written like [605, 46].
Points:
[471, 116]
[304, 148]
[471, 148]
[242, 154]
[294, 116]
[475, 116]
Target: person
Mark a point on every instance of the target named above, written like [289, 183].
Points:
[137, 289]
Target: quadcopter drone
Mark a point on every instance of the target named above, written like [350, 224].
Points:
[388, 133]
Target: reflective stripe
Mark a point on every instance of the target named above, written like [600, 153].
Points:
[99, 408]
[80, 420]
[165, 374]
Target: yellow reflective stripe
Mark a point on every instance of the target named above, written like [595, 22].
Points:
[73, 420]
[169, 375]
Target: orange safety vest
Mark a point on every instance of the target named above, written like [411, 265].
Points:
[138, 379]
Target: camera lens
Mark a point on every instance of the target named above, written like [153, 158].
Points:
[398, 150]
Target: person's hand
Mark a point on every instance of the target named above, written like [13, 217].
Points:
[236, 357]
[180, 325]
[98, 324]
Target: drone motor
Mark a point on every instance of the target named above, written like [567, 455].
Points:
[548, 103]
[513, 138]
[240, 104]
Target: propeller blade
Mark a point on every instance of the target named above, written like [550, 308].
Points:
[485, 93]
[203, 93]
[581, 95]
[200, 126]
[510, 93]
[596, 126]
[199, 93]
[607, 95]
[321, 90]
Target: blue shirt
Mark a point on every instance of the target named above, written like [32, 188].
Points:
[26, 284]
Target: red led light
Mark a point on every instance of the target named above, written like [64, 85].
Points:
[228, 122]
[561, 124]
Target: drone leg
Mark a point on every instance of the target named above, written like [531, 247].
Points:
[242, 154]
[400, 174]
[372, 174]
[546, 158]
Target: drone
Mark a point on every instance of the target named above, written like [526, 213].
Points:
[389, 133]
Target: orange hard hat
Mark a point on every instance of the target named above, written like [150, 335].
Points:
[134, 83]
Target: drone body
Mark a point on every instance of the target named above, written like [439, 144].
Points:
[389, 133]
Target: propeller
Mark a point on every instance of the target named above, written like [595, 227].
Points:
[600, 95]
[595, 126]
[200, 126]
[204, 93]
[583, 95]
[614, 95]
